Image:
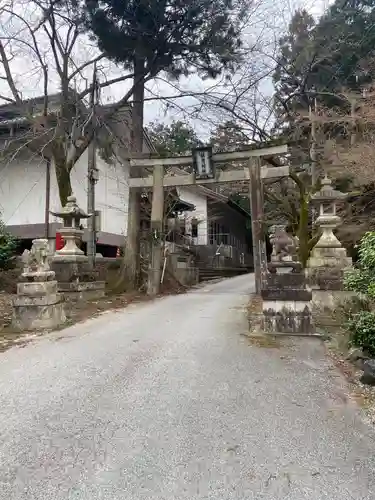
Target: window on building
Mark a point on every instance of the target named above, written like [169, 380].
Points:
[211, 235]
[194, 228]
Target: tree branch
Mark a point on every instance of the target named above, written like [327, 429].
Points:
[7, 99]
[80, 68]
[9, 75]
[107, 83]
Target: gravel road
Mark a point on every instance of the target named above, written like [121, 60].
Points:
[169, 400]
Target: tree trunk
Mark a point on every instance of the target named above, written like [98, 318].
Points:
[303, 231]
[138, 107]
[131, 268]
[63, 181]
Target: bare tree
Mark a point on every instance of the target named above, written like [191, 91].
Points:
[43, 47]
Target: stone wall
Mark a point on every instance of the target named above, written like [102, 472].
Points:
[107, 269]
[183, 268]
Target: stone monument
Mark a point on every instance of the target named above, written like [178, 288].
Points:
[75, 277]
[328, 260]
[286, 298]
[37, 305]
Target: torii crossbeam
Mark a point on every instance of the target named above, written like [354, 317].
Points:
[233, 175]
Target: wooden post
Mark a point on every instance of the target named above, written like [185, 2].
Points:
[132, 257]
[256, 222]
[157, 217]
[262, 242]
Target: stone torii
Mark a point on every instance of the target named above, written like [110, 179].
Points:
[204, 173]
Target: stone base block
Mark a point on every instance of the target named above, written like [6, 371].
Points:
[69, 257]
[43, 300]
[329, 257]
[37, 276]
[37, 288]
[286, 295]
[29, 316]
[327, 287]
[76, 291]
[67, 272]
[292, 318]
[285, 281]
[330, 299]
[324, 278]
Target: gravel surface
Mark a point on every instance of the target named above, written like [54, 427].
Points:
[169, 400]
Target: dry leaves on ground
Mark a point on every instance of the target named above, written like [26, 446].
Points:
[5, 309]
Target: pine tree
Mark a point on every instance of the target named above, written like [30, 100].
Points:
[176, 139]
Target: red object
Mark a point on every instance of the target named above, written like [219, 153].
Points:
[59, 241]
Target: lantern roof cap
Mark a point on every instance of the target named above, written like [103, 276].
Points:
[71, 210]
[327, 192]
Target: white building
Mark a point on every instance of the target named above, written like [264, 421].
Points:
[28, 191]
[28, 185]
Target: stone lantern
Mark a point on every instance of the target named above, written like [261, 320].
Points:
[76, 279]
[71, 231]
[328, 259]
[328, 252]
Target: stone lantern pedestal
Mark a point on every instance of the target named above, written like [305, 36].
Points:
[37, 305]
[286, 299]
[75, 277]
[328, 260]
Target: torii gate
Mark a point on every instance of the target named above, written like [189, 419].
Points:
[204, 162]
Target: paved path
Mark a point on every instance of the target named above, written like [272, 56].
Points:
[168, 401]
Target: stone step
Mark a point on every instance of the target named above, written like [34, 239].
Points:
[206, 273]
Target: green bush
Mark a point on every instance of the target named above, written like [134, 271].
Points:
[362, 330]
[8, 246]
[361, 317]
[358, 280]
[366, 251]
[362, 279]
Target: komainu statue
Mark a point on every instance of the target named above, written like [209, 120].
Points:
[284, 246]
[36, 259]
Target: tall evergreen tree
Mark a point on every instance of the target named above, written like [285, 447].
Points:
[345, 37]
[175, 36]
[293, 76]
[335, 53]
[176, 139]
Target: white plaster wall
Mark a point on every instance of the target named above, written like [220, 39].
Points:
[200, 212]
[22, 191]
[23, 187]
